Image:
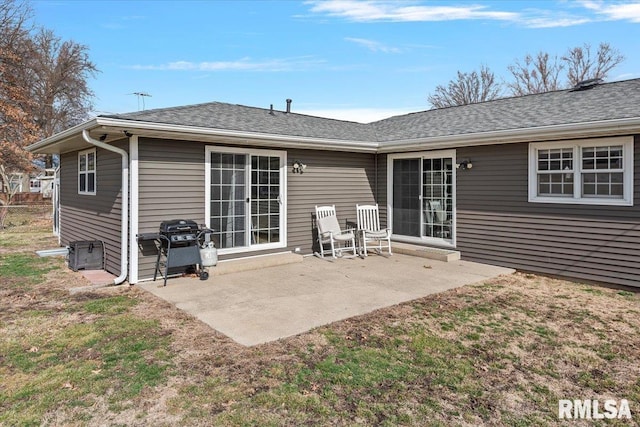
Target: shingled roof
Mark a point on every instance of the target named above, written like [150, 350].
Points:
[218, 115]
[607, 101]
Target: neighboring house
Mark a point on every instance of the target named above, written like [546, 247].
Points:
[39, 182]
[545, 183]
[43, 183]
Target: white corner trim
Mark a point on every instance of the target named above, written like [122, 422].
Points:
[134, 210]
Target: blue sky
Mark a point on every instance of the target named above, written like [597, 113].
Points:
[345, 59]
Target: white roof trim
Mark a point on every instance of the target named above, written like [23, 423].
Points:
[59, 137]
[162, 130]
[251, 138]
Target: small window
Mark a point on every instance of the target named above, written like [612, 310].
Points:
[87, 172]
[597, 172]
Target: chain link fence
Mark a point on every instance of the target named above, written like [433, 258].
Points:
[16, 218]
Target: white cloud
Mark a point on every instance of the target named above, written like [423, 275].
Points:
[563, 14]
[244, 64]
[615, 11]
[373, 45]
[405, 12]
[553, 20]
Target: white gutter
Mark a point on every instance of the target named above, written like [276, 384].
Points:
[124, 255]
[539, 133]
[239, 137]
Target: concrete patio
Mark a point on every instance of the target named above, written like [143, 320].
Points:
[258, 306]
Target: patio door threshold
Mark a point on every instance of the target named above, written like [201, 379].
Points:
[256, 262]
[429, 252]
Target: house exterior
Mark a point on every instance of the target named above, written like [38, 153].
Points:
[546, 183]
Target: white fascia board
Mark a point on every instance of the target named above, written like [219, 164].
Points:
[541, 133]
[163, 130]
[60, 137]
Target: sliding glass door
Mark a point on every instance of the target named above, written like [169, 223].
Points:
[406, 197]
[422, 195]
[245, 204]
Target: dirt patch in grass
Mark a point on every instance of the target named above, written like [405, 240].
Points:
[496, 353]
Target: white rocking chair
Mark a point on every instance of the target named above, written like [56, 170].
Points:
[329, 232]
[369, 227]
[439, 225]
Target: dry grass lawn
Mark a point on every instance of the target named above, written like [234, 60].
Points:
[496, 353]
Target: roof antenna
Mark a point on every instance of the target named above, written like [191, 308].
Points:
[140, 95]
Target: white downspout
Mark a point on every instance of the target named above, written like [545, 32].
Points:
[124, 255]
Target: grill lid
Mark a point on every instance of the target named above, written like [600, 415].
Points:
[179, 226]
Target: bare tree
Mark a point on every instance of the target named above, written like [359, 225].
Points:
[581, 65]
[469, 88]
[61, 69]
[57, 74]
[43, 83]
[16, 127]
[535, 75]
[544, 73]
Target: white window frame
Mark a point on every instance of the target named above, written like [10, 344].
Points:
[577, 145]
[433, 241]
[85, 174]
[283, 195]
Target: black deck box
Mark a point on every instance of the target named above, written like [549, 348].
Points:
[86, 255]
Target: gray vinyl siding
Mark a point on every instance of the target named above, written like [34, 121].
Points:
[93, 217]
[331, 178]
[496, 223]
[172, 185]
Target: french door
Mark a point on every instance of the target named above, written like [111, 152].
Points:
[245, 204]
[422, 197]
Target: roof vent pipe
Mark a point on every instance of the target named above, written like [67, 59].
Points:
[288, 105]
[271, 110]
[587, 84]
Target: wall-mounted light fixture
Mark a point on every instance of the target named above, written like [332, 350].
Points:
[298, 167]
[465, 164]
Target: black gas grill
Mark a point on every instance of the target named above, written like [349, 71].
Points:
[179, 232]
[177, 245]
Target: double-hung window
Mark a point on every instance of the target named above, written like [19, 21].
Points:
[87, 172]
[592, 172]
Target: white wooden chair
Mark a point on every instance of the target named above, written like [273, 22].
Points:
[329, 232]
[439, 225]
[369, 226]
